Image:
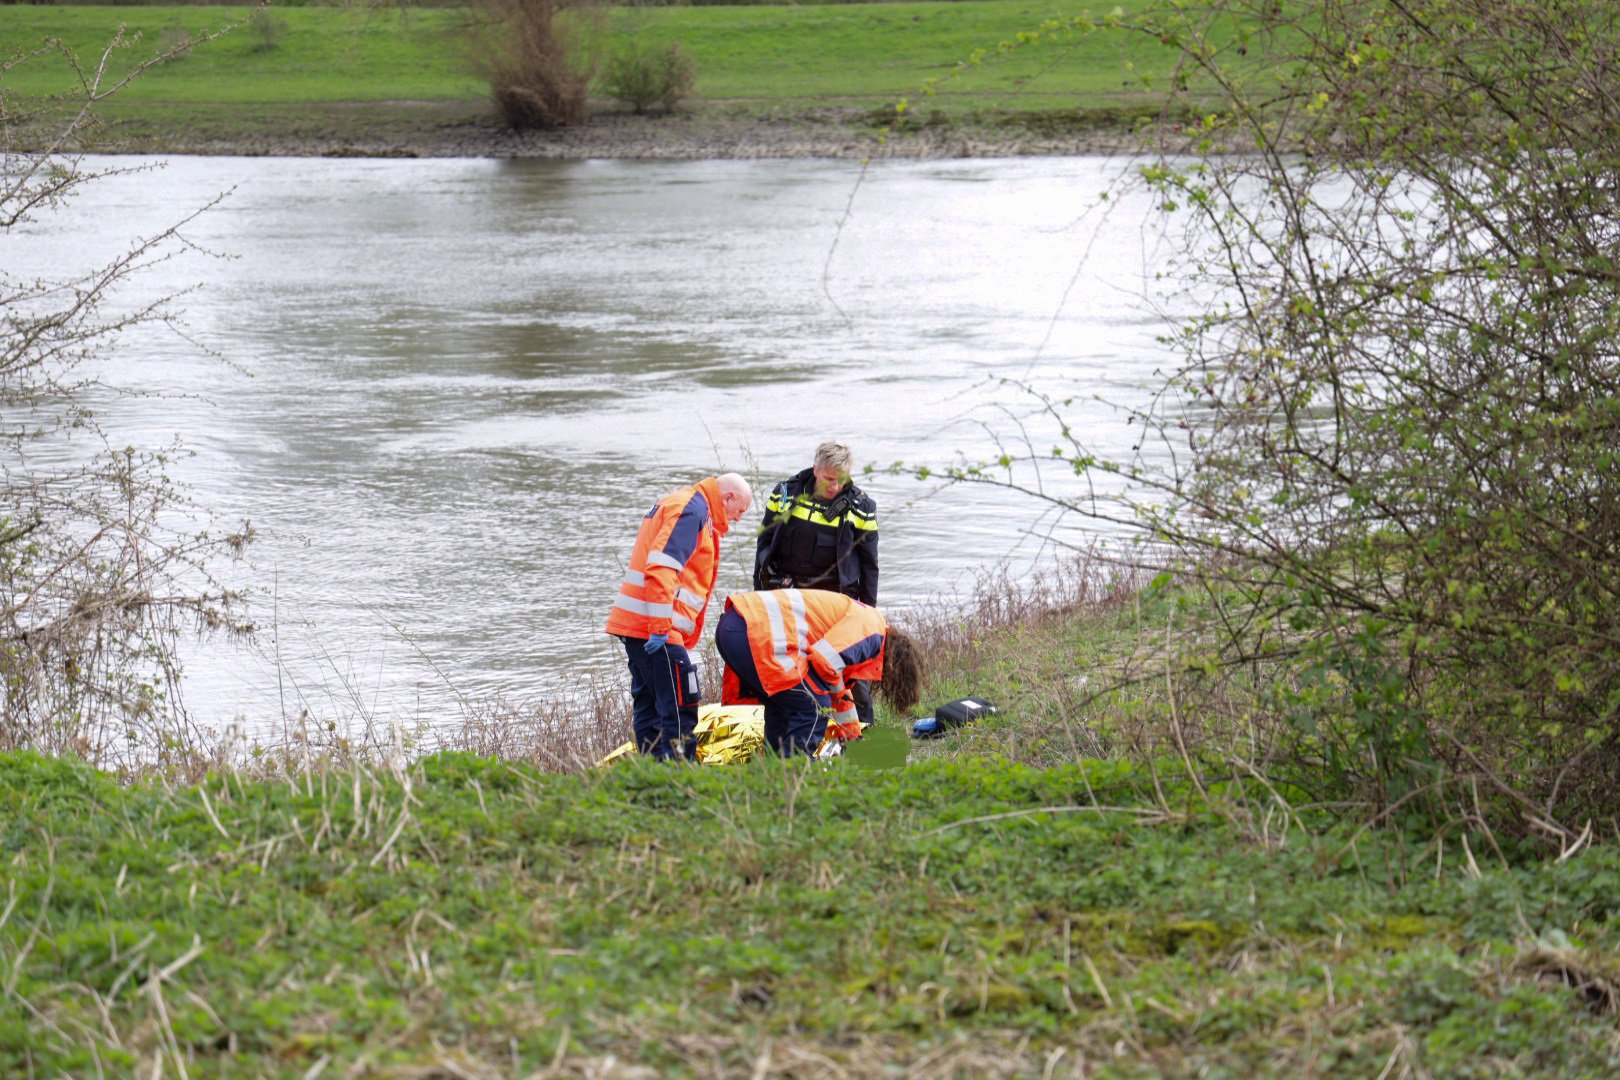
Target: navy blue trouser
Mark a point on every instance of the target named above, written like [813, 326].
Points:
[861, 691]
[664, 696]
[796, 718]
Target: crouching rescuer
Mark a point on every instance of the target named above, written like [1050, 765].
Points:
[658, 613]
[797, 650]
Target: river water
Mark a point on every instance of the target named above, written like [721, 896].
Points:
[450, 388]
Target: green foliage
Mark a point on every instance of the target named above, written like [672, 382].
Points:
[477, 908]
[1413, 417]
[1389, 450]
[649, 77]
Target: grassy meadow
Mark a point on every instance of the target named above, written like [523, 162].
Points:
[1017, 899]
[361, 65]
[959, 917]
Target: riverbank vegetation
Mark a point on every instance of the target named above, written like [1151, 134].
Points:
[1075, 887]
[103, 565]
[465, 916]
[1388, 466]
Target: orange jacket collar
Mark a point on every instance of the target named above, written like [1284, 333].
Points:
[710, 486]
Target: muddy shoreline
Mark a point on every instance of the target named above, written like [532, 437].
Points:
[683, 136]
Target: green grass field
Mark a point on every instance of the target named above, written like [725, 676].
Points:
[471, 917]
[323, 55]
[768, 57]
[877, 52]
[999, 905]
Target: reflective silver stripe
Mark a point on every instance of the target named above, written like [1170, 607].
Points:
[658, 558]
[845, 717]
[683, 624]
[796, 601]
[636, 578]
[779, 644]
[829, 654]
[643, 607]
[691, 599]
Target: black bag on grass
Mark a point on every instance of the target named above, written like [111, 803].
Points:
[949, 715]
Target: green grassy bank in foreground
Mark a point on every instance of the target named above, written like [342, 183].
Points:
[470, 917]
[768, 58]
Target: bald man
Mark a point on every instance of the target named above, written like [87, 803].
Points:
[658, 614]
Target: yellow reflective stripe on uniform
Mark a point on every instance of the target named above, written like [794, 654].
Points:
[829, 654]
[643, 607]
[805, 510]
[773, 612]
[812, 515]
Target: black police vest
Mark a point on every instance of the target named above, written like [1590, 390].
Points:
[807, 552]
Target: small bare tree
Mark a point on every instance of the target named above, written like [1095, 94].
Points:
[538, 58]
[101, 565]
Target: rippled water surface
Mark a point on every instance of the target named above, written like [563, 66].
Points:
[455, 385]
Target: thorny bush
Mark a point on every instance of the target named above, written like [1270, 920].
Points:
[102, 566]
[1392, 441]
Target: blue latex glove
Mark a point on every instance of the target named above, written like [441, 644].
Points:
[656, 642]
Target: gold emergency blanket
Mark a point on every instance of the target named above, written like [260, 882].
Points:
[728, 734]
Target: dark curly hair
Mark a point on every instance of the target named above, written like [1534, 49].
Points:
[903, 674]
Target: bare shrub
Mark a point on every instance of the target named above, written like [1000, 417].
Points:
[569, 733]
[1021, 640]
[102, 564]
[538, 58]
[649, 77]
[267, 31]
[951, 630]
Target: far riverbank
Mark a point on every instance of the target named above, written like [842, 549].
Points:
[440, 129]
[773, 81]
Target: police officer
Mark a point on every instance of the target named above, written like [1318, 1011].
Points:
[821, 532]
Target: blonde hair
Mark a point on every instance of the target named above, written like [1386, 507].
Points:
[835, 455]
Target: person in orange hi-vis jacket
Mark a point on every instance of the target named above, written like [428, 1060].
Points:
[658, 614]
[796, 650]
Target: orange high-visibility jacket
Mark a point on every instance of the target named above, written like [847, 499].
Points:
[814, 636]
[673, 567]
